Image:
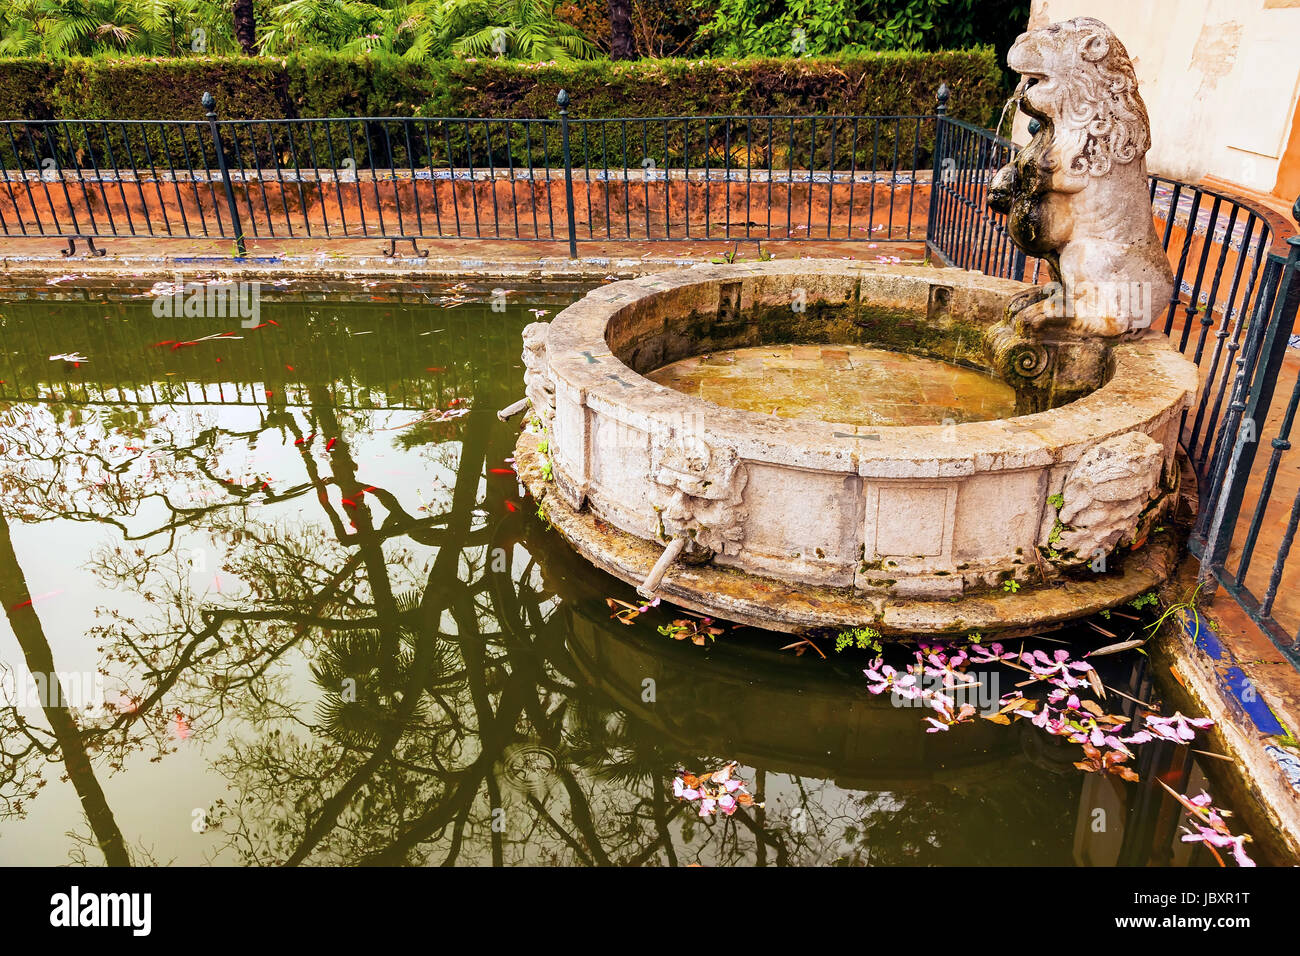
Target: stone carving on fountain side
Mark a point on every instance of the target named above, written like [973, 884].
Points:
[1077, 197]
[538, 386]
[699, 492]
[1106, 497]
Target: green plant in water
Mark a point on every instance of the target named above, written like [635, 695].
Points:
[697, 630]
[863, 638]
[1188, 605]
[1145, 600]
[541, 513]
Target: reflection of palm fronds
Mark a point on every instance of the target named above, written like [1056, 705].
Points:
[366, 679]
[407, 601]
[606, 746]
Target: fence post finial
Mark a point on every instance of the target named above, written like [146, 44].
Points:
[209, 104]
[942, 106]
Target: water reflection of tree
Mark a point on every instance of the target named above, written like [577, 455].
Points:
[468, 736]
[65, 736]
[58, 462]
[423, 745]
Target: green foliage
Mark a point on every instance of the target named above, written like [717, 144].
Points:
[25, 87]
[317, 83]
[783, 28]
[115, 27]
[427, 29]
[819, 27]
[1057, 501]
[1186, 607]
[863, 638]
[419, 30]
[659, 27]
[1144, 600]
[137, 88]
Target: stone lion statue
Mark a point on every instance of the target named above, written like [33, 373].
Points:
[1077, 194]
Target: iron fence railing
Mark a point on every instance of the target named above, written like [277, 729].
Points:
[849, 178]
[962, 231]
[1232, 312]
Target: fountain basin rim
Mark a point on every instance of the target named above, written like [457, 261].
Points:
[1149, 376]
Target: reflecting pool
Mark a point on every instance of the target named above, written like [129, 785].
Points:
[301, 613]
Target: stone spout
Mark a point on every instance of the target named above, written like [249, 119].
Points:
[656, 575]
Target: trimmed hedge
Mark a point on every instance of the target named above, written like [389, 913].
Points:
[330, 84]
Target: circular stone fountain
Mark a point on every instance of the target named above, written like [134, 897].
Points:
[1008, 524]
[791, 524]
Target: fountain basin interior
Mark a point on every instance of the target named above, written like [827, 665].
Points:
[909, 527]
[857, 384]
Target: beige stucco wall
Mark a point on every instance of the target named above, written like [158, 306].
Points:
[1220, 78]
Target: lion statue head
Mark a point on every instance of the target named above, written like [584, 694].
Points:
[1078, 78]
[1077, 194]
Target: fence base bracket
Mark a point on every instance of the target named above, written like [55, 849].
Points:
[391, 251]
[72, 247]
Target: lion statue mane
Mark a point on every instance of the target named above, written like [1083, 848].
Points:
[1077, 195]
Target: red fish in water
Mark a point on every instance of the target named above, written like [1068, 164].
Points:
[32, 600]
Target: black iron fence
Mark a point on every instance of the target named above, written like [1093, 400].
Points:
[852, 178]
[962, 231]
[1232, 312]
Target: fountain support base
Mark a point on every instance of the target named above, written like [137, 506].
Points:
[734, 595]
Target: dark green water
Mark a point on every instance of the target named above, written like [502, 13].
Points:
[422, 673]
